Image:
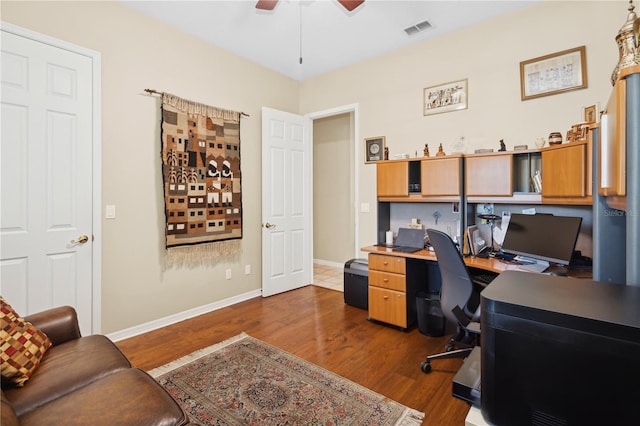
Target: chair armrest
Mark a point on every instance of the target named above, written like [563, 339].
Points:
[60, 324]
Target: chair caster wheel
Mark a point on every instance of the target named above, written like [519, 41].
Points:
[425, 366]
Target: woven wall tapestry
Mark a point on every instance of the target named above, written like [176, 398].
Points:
[201, 174]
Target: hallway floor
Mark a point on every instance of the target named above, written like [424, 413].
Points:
[329, 277]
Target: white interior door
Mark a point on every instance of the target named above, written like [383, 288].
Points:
[46, 215]
[287, 232]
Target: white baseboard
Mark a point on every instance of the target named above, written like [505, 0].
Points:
[181, 316]
[328, 263]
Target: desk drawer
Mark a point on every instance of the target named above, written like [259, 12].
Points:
[381, 262]
[387, 280]
[388, 306]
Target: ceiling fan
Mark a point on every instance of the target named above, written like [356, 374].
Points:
[270, 4]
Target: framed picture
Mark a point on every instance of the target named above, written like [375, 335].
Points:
[374, 149]
[591, 113]
[445, 97]
[552, 74]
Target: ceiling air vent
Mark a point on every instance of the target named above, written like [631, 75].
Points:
[417, 28]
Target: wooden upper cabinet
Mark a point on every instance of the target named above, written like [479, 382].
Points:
[440, 177]
[565, 172]
[489, 175]
[392, 178]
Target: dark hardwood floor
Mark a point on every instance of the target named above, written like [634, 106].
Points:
[314, 323]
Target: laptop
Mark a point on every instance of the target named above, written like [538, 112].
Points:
[408, 240]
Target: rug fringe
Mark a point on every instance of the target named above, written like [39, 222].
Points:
[410, 417]
[159, 371]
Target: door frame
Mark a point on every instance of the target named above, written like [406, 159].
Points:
[345, 109]
[96, 205]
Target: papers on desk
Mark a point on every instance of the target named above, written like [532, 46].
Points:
[475, 240]
[500, 230]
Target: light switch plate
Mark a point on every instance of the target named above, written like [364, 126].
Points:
[110, 212]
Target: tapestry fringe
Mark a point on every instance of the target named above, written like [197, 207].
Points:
[201, 254]
[198, 108]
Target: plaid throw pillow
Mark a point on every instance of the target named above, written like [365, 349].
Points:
[23, 346]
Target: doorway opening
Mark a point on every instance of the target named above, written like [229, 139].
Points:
[335, 193]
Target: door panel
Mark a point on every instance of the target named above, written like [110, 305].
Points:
[46, 177]
[286, 202]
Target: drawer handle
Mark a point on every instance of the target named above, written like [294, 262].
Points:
[385, 297]
[386, 280]
[385, 263]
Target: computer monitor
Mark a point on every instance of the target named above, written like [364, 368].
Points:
[542, 237]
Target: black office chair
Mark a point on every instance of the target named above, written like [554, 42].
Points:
[459, 299]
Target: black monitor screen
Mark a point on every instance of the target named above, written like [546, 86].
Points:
[542, 236]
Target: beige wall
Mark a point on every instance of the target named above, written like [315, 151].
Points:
[333, 217]
[389, 89]
[139, 53]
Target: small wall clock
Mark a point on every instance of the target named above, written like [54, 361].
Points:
[374, 149]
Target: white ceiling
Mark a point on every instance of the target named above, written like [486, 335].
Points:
[325, 34]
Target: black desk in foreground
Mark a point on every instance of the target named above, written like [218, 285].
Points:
[559, 349]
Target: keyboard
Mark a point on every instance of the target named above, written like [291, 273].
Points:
[483, 278]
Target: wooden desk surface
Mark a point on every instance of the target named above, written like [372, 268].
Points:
[491, 264]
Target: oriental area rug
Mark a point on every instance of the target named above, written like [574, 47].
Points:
[244, 381]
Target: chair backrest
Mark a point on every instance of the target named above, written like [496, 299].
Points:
[457, 286]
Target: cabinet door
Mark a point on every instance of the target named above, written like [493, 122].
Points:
[489, 176]
[440, 177]
[564, 171]
[393, 179]
[613, 144]
[388, 306]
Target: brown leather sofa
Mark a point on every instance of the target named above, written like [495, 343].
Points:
[86, 381]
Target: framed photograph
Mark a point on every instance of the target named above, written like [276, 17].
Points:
[445, 97]
[552, 74]
[591, 113]
[374, 149]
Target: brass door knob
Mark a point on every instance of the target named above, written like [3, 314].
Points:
[80, 240]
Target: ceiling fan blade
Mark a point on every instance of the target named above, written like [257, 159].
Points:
[350, 4]
[266, 4]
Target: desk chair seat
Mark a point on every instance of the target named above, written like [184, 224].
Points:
[459, 299]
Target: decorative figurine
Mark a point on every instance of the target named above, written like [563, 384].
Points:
[502, 146]
[426, 150]
[386, 152]
[628, 41]
[440, 152]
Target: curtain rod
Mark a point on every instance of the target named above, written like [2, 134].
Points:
[155, 92]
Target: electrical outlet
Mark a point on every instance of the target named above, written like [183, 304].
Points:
[247, 269]
[228, 274]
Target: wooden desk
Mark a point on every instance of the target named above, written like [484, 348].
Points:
[396, 278]
[491, 264]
